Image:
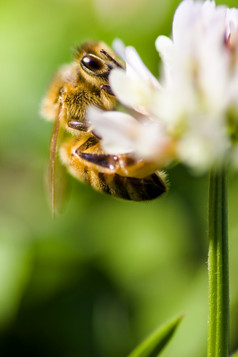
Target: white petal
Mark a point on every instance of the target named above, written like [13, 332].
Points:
[188, 16]
[196, 22]
[199, 146]
[232, 27]
[136, 68]
[231, 20]
[124, 87]
[184, 17]
[168, 53]
[134, 65]
[165, 47]
[132, 92]
[116, 129]
[119, 48]
[151, 141]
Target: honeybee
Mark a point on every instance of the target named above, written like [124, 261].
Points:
[76, 86]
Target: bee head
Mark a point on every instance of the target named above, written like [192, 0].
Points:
[96, 60]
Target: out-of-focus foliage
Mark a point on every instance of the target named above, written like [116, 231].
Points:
[103, 274]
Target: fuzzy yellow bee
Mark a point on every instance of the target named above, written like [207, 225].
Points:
[76, 86]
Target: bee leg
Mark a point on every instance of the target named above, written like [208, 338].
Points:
[103, 160]
[78, 125]
[107, 89]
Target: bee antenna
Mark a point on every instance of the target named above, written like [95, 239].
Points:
[111, 58]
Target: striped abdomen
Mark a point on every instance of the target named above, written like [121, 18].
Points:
[102, 179]
[128, 188]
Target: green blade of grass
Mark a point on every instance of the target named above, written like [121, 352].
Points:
[154, 343]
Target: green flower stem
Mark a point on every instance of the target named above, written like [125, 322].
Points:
[218, 268]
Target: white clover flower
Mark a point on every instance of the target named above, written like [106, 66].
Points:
[195, 62]
[200, 82]
[192, 114]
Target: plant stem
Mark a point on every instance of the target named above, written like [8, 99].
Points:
[218, 268]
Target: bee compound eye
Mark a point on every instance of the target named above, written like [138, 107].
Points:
[92, 63]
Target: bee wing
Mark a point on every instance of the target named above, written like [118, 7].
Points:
[57, 176]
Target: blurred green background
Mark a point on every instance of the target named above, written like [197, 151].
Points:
[103, 274]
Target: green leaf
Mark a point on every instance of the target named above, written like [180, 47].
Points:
[235, 354]
[154, 343]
